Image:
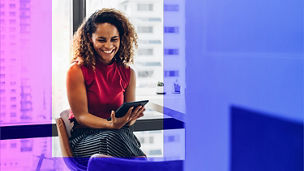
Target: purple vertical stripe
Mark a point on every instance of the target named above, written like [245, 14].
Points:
[25, 79]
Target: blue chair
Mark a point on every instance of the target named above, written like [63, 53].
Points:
[118, 164]
[64, 127]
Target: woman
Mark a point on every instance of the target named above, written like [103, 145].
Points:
[98, 82]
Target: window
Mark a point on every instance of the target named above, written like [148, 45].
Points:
[12, 14]
[145, 52]
[144, 7]
[21, 103]
[145, 29]
[145, 74]
[171, 29]
[13, 114]
[171, 7]
[12, 5]
[12, 21]
[171, 51]
[173, 73]
[62, 33]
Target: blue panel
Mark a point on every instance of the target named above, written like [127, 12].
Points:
[171, 29]
[256, 61]
[264, 143]
[171, 7]
[171, 51]
[254, 26]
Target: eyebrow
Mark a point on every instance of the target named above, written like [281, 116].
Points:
[111, 37]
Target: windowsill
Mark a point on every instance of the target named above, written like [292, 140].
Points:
[155, 121]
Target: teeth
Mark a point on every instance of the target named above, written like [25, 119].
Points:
[109, 51]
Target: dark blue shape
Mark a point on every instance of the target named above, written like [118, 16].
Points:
[73, 165]
[264, 143]
[171, 29]
[173, 124]
[25, 131]
[118, 164]
[171, 51]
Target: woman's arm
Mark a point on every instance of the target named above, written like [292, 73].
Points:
[129, 96]
[77, 97]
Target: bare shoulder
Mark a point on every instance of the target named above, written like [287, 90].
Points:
[132, 72]
[74, 71]
[74, 67]
[132, 75]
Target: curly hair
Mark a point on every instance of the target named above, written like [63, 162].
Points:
[83, 47]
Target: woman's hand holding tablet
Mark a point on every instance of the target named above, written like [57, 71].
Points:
[123, 109]
[127, 112]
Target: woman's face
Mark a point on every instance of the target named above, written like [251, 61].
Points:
[106, 41]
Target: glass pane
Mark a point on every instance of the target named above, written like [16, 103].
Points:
[61, 56]
[147, 18]
[174, 54]
[61, 53]
[29, 154]
[25, 55]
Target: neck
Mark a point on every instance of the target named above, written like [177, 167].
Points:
[106, 62]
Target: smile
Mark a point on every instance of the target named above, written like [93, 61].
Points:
[108, 51]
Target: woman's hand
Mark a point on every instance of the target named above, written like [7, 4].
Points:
[137, 113]
[117, 123]
[131, 115]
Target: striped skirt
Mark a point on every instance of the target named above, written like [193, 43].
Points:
[118, 143]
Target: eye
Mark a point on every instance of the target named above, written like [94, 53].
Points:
[101, 40]
[114, 40]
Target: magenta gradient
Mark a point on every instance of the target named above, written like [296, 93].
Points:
[26, 80]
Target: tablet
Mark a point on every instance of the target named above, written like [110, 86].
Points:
[123, 109]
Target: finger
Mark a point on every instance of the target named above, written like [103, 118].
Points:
[142, 110]
[141, 115]
[134, 112]
[137, 109]
[132, 117]
[137, 115]
[129, 113]
[113, 115]
[113, 119]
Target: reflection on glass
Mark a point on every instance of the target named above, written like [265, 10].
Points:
[61, 53]
[29, 154]
[24, 97]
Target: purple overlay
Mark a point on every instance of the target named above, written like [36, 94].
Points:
[26, 85]
[25, 79]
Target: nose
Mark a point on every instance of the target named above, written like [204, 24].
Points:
[108, 45]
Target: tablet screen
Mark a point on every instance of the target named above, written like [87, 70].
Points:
[123, 109]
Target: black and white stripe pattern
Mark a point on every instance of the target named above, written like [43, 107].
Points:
[118, 143]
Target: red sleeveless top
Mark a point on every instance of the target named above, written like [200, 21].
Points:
[105, 87]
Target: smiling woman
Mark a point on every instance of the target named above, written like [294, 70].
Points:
[106, 41]
[106, 27]
[98, 82]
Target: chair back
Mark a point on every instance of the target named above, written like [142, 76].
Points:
[64, 127]
[118, 164]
